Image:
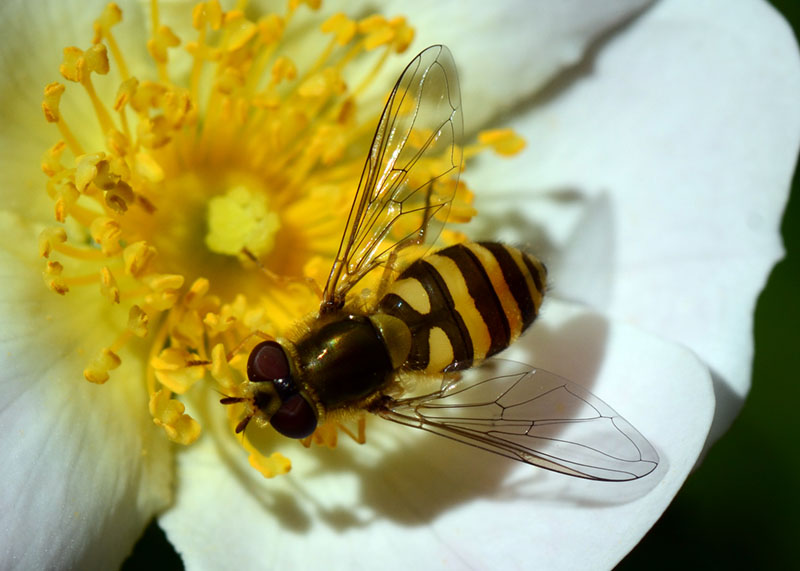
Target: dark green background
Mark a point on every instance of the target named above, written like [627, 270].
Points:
[741, 508]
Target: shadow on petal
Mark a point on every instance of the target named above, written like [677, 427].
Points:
[566, 79]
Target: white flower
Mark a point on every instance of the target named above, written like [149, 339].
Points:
[660, 147]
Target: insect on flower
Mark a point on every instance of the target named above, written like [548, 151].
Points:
[435, 317]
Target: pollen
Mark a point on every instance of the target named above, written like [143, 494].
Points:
[205, 197]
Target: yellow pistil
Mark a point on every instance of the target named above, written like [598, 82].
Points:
[158, 200]
[241, 219]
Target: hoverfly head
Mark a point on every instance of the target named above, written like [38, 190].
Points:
[276, 396]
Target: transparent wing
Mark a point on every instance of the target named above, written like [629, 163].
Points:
[533, 416]
[410, 175]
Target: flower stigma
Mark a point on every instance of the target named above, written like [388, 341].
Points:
[205, 198]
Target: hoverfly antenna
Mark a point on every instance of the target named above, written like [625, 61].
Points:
[243, 424]
[234, 400]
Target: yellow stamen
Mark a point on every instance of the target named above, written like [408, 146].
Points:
[111, 16]
[172, 372]
[270, 31]
[108, 285]
[168, 413]
[220, 369]
[342, 27]
[162, 39]
[49, 239]
[276, 464]
[53, 279]
[107, 234]
[138, 321]
[137, 258]
[504, 142]
[377, 30]
[78, 66]
[97, 371]
[121, 340]
[238, 29]
[52, 99]
[86, 169]
[158, 343]
[51, 161]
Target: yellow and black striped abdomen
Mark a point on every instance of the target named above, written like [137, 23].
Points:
[465, 303]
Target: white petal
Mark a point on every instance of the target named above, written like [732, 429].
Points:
[84, 468]
[508, 49]
[689, 121]
[413, 500]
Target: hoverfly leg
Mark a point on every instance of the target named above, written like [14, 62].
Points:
[360, 436]
[420, 236]
[389, 273]
[327, 434]
[282, 280]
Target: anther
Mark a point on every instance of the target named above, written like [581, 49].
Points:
[48, 238]
[137, 258]
[504, 142]
[343, 28]
[53, 278]
[168, 413]
[138, 321]
[97, 370]
[108, 285]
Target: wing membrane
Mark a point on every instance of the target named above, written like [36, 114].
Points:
[410, 175]
[533, 416]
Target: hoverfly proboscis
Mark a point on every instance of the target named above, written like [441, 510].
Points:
[440, 315]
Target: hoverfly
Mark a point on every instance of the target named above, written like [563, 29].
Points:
[442, 316]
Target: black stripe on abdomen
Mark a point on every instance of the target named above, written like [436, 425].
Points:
[480, 289]
[516, 281]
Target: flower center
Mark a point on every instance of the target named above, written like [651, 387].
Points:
[180, 185]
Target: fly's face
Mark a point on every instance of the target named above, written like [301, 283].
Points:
[274, 395]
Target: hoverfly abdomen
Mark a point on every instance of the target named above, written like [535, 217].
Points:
[465, 303]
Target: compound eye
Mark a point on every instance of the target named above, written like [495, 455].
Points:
[267, 362]
[295, 418]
